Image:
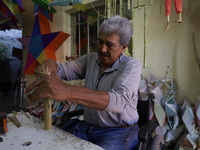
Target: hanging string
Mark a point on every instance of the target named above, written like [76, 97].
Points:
[97, 11]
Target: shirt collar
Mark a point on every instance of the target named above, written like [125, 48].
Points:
[115, 65]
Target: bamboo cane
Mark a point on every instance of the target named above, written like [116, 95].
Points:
[139, 5]
[129, 3]
[133, 32]
[47, 108]
[121, 8]
[108, 8]
[145, 36]
[115, 7]
[151, 2]
[138, 2]
[105, 9]
[145, 29]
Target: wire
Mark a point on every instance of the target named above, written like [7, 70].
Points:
[97, 11]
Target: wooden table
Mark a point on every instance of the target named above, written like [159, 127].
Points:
[31, 135]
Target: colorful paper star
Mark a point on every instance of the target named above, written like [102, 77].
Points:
[42, 44]
[9, 9]
[18, 2]
[64, 2]
[38, 10]
[44, 4]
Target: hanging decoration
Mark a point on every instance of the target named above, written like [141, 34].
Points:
[17, 2]
[64, 2]
[8, 16]
[9, 9]
[44, 4]
[178, 7]
[80, 7]
[38, 10]
[76, 4]
[42, 44]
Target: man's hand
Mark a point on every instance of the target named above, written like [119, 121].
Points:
[50, 64]
[48, 86]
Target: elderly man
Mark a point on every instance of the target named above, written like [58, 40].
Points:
[110, 94]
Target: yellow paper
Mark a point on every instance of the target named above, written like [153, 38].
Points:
[9, 4]
[41, 57]
[15, 9]
[80, 6]
[5, 20]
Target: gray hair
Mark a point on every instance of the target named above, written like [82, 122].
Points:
[119, 26]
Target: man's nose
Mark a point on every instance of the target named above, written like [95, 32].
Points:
[104, 48]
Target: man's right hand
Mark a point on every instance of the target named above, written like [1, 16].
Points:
[50, 64]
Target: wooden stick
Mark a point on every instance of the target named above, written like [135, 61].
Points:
[180, 18]
[47, 108]
[24, 113]
[167, 24]
[195, 52]
[145, 36]
[15, 113]
[14, 120]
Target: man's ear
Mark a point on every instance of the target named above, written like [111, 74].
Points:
[124, 48]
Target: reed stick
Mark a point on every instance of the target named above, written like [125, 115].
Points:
[47, 108]
[151, 2]
[129, 4]
[121, 4]
[108, 9]
[145, 36]
[115, 7]
[133, 32]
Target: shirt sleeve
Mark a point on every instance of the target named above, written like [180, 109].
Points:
[73, 70]
[125, 90]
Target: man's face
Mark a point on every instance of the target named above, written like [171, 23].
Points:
[109, 48]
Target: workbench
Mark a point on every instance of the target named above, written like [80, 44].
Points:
[31, 135]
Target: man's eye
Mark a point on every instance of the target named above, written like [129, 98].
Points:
[108, 45]
[100, 41]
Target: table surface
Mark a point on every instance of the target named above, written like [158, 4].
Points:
[32, 131]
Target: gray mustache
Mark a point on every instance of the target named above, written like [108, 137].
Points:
[104, 54]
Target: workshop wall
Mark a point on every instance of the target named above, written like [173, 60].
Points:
[173, 48]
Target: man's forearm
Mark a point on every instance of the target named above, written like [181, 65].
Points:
[87, 97]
